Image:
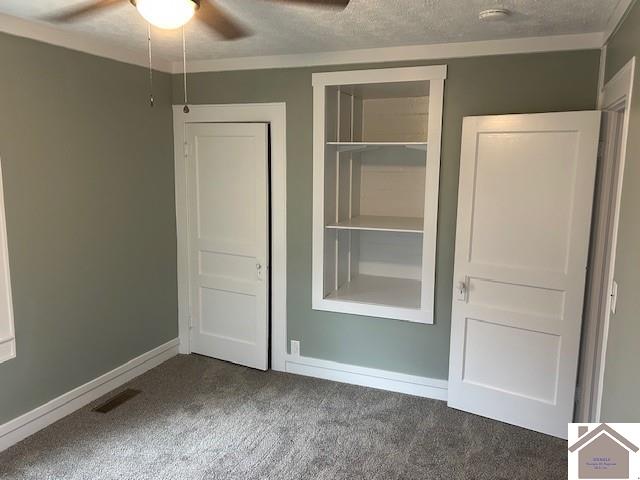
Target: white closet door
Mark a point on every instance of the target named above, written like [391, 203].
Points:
[228, 226]
[524, 214]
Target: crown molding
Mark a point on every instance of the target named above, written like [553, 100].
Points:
[84, 43]
[81, 42]
[617, 17]
[438, 51]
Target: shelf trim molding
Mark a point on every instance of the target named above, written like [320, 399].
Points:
[368, 222]
[435, 75]
[414, 315]
[345, 300]
[368, 146]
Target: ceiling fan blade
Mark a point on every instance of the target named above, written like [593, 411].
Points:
[87, 8]
[342, 4]
[220, 21]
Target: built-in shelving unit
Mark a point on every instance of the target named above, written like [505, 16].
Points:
[376, 170]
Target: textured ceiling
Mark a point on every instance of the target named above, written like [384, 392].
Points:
[283, 29]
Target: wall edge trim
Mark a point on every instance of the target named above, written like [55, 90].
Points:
[79, 42]
[557, 43]
[40, 417]
[367, 377]
[86, 43]
[616, 18]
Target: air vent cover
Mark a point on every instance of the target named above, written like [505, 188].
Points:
[117, 400]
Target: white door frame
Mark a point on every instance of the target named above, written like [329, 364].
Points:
[275, 115]
[616, 95]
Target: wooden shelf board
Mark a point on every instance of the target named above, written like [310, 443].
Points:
[385, 224]
[360, 146]
[375, 290]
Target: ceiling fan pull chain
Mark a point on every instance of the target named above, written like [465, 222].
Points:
[150, 66]
[184, 66]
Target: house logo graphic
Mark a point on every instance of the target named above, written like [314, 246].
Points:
[601, 451]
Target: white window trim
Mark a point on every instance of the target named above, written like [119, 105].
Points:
[7, 342]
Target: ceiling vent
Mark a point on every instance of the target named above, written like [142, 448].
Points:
[494, 14]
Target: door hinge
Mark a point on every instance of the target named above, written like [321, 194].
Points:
[186, 149]
[614, 297]
[190, 322]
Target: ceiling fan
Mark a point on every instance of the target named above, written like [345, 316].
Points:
[172, 14]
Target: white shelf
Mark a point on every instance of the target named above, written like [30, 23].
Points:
[373, 290]
[362, 146]
[376, 156]
[384, 224]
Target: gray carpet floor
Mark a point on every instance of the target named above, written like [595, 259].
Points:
[199, 418]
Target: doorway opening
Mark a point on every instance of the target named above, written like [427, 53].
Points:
[601, 291]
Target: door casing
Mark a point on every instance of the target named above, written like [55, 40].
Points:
[616, 95]
[275, 115]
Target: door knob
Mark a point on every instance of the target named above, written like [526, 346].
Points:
[259, 270]
[461, 291]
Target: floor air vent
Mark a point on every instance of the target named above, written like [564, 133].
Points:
[117, 400]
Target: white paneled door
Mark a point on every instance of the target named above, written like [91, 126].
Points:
[524, 215]
[227, 181]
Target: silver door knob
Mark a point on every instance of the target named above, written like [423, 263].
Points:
[259, 271]
[461, 291]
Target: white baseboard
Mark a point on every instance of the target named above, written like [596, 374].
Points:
[367, 377]
[20, 428]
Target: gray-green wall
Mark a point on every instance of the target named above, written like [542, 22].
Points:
[88, 178]
[475, 86]
[88, 173]
[621, 397]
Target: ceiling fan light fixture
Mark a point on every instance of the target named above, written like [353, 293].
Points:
[167, 14]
